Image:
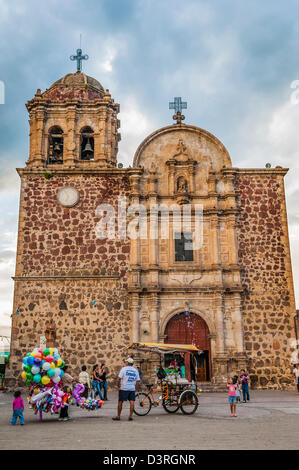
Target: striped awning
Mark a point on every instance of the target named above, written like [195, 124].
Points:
[164, 348]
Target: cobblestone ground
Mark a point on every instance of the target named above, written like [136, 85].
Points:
[269, 421]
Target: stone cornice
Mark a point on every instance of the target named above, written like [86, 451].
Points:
[62, 278]
[79, 171]
[257, 171]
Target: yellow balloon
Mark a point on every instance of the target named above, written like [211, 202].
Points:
[24, 375]
[34, 353]
[51, 351]
[59, 362]
[52, 366]
[45, 380]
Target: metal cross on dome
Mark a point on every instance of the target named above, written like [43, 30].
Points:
[79, 57]
[178, 105]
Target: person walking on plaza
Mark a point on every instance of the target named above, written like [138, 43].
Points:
[84, 380]
[232, 396]
[18, 408]
[67, 381]
[103, 377]
[128, 382]
[244, 377]
[96, 381]
[296, 375]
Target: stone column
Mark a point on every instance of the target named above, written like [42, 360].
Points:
[238, 323]
[135, 317]
[69, 144]
[214, 236]
[153, 228]
[39, 158]
[219, 324]
[135, 242]
[154, 316]
[229, 335]
[232, 241]
[100, 141]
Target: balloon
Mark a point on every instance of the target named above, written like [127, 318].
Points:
[46, 352]
[29, 376]
[59, 362]
[56, 356]
[55, 350]
[61, 373]
[24, 375]
[26, 368]
[39, 356]
[51, 351]
[37, 361]
[35, 370]
[37, 378]
[45, 380]
[56, 379]
[49, 358]
[33, 354]
[51, 372]
[30, 360]
[25, 360]
[57, 371]
[46, 366]
[52, 365]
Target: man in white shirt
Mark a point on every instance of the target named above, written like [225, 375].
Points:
[128, 381]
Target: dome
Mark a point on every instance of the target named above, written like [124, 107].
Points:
[75, 85]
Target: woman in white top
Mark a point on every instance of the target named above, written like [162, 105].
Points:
[296, 374]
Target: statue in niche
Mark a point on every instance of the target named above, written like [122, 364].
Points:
[182, 185]
[152, 169]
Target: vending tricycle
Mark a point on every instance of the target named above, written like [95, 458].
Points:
[172, 390]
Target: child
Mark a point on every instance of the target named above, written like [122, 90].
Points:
[232, 396]
[238, 392]
[85, 380]
[18, 408]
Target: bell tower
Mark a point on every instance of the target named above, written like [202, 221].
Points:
[73, 124]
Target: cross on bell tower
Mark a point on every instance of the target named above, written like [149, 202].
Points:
[178, 105]
[79, 57]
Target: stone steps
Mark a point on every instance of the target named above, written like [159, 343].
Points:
[207, 387]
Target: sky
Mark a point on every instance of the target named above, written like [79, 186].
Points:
[235, 64]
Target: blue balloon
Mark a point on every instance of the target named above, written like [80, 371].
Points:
[61, 373]
[37, 361]
[56, 356]
[25, 360]
[30, 360]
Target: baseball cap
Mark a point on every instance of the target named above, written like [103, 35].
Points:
[130, 360]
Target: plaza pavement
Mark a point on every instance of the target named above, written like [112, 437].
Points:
[269, 421]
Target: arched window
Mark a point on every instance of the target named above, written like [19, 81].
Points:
[55, 149]
[50, 335]
[86, 144]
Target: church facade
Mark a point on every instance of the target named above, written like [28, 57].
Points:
[221, 279]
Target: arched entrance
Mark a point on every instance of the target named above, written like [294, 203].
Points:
[191, 329]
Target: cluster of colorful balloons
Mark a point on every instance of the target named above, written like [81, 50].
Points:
[42, 367]
[92, 404]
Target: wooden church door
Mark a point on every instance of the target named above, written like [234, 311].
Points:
[191, 329]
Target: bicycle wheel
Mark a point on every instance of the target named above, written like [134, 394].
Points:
[143, 404]
[171, 404]
[188, 402]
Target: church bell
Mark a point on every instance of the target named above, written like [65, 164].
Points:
[88, 148]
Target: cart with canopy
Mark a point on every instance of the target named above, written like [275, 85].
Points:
[173, 392]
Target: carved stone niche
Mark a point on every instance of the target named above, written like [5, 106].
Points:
[181, 169]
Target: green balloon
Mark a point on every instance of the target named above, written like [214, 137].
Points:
[27, 368]
[29, 377]
[46, 352]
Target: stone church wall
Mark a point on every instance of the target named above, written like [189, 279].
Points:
[268, 301]
[68, 282]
